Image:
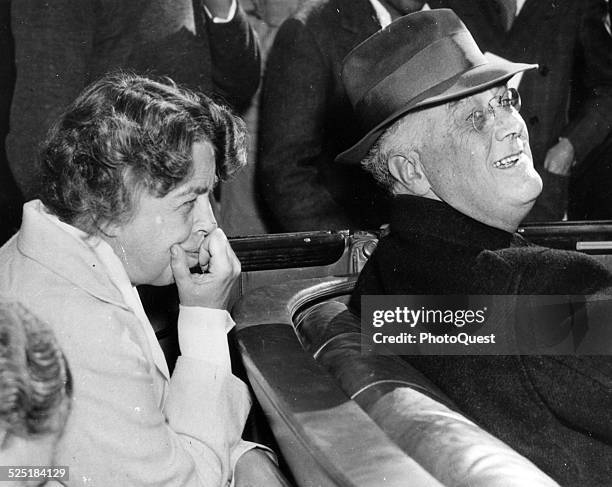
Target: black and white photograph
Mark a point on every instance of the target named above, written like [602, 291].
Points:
[306, 243]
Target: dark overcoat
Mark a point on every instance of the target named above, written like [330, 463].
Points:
[555, 410]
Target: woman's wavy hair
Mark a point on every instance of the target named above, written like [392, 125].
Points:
[35, 382]
[126, 133]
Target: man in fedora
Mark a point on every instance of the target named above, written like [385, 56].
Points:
[567, 101]
[444, 136]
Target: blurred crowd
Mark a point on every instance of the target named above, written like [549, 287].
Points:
[301, 119]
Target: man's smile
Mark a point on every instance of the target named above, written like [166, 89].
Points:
[509, 161]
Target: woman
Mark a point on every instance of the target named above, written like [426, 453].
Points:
[128, 170]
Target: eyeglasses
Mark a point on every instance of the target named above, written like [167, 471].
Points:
[482, 120]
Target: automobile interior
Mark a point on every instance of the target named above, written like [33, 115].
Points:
[338, 415]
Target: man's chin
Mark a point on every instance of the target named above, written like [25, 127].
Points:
[535, 184]
[530, 184]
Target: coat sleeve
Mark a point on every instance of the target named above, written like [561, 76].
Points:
[235, 57]
[208, 415]
[296, 99]
[593, 119]
[53, 43]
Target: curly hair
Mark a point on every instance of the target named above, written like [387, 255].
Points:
[35, 383]
[126, 133]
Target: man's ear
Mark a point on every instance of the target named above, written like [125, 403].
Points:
[409, 175]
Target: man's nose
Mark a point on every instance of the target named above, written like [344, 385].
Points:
[509, 123]
[204, 220]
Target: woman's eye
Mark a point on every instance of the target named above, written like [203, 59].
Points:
[188, 205]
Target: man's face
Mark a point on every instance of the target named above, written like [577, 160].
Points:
[184, 216]
[487, 174]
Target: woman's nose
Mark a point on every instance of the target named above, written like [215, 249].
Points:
[204, 220]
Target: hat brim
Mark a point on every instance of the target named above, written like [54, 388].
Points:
[476, 79]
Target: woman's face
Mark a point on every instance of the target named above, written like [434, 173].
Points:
[184, 217]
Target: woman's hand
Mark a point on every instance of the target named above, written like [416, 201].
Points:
[220, 269]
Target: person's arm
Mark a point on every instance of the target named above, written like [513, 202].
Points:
[593, 120]
[53, 43]
[126, 428]
[234, 51]
[219, 416]
[213, 407]
[295, 103]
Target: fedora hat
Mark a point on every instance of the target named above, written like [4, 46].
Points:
[420, 60]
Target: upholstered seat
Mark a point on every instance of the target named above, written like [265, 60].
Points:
[332, 334]
[339, 413]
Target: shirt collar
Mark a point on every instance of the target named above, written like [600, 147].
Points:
[383, 15]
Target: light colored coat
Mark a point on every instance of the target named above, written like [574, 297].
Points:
[131, 424]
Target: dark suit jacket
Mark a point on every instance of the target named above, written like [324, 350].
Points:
[570, 95]
[62, 46]
[555, 410]
[306, 120]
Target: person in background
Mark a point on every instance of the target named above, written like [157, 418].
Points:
[35, 391]
[129, 168]
[242, 211]
[306, 118]
[64, 45]
[448, 143]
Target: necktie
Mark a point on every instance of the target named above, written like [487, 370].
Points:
[508, 12]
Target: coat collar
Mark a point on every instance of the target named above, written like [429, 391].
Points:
[52, 247]
[413, 216]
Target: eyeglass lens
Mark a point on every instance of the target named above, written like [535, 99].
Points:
[482, 118]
